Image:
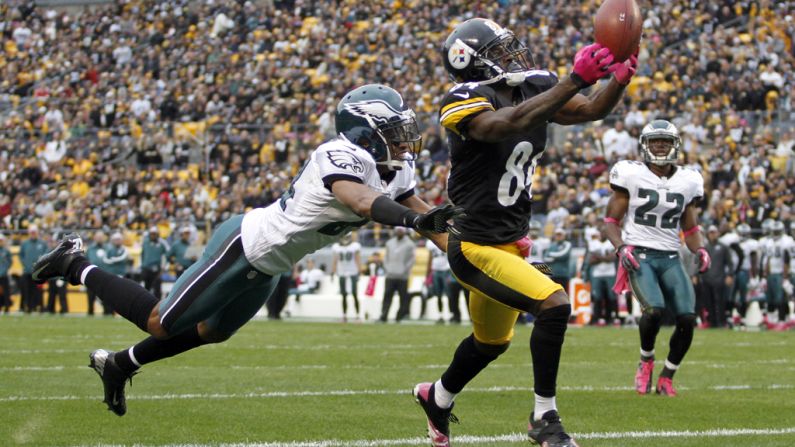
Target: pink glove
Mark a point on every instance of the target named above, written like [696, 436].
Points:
[591, 64]
[704, 261]
[525, 245]
[623, 71]
[627, 258]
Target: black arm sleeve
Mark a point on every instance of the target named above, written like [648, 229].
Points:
[740, 256]
[388, 212]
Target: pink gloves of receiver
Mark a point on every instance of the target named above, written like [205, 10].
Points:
[595, 61]
[591, 64]
[623, 71]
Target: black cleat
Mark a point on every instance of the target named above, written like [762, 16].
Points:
[438, 418]
[548, 431]
[113, 379]
[56, 263]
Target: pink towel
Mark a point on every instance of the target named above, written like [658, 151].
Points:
[524, 244]
[622, 280]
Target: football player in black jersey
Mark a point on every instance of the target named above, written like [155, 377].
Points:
[496, 118]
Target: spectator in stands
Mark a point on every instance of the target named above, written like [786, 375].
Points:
[617, 142]
[398, 262]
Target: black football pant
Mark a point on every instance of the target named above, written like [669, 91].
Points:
[401, 286]
[152, 282]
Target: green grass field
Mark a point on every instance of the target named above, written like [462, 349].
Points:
[325, 384]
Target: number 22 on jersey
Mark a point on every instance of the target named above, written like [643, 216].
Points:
[518, 176]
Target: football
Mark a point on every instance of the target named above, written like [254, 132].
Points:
[618, 26]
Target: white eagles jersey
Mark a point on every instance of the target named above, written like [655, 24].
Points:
[656, 203]
[308, 216]
[540, 245]
[775, 251]
[439, 262]
[749, 246]
[602, 248]
[346, 258]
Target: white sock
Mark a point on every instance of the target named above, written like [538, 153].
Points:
[543, 404]
[670, 365]
[84, 273]
[646, 354]
[443, 398]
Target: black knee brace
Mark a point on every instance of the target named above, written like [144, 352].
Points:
[555, 320]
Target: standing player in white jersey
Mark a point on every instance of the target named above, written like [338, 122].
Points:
[365, 173]
[540, 243]
[655, 199]
[748, 268]
[346, 264]
[776, 259]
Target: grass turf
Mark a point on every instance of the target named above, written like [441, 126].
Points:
[283, 382]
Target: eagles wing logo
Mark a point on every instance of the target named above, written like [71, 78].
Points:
[345, 160]
[378, 111]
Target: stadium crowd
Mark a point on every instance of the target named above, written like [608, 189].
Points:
[178, 113]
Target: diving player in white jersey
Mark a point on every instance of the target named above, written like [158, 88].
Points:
[346, 264]
[655, 199]
[365, 173]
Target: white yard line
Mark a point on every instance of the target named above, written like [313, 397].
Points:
[510, 438]
[278, 394]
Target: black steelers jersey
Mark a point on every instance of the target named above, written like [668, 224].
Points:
[492, 181]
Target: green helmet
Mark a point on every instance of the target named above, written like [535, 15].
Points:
[375, 117]
[535, 228]
[660, 130]
[744, 230]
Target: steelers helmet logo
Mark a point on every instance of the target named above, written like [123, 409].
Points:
[458, 56]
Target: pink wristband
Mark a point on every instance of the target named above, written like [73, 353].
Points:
[612, 220]
[691, 231]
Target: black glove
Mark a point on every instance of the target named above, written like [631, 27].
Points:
[435, 220]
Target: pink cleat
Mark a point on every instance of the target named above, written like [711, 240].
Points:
[438, 418]
[665, 387]
[643, 377]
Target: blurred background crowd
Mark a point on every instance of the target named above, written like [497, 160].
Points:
[136, 113]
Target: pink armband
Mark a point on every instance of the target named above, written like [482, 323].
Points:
[691, 231]
[612, 220]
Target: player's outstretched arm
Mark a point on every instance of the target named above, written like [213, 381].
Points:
[600, 103]
[591, 63]
[367, 202]
[420, 206]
